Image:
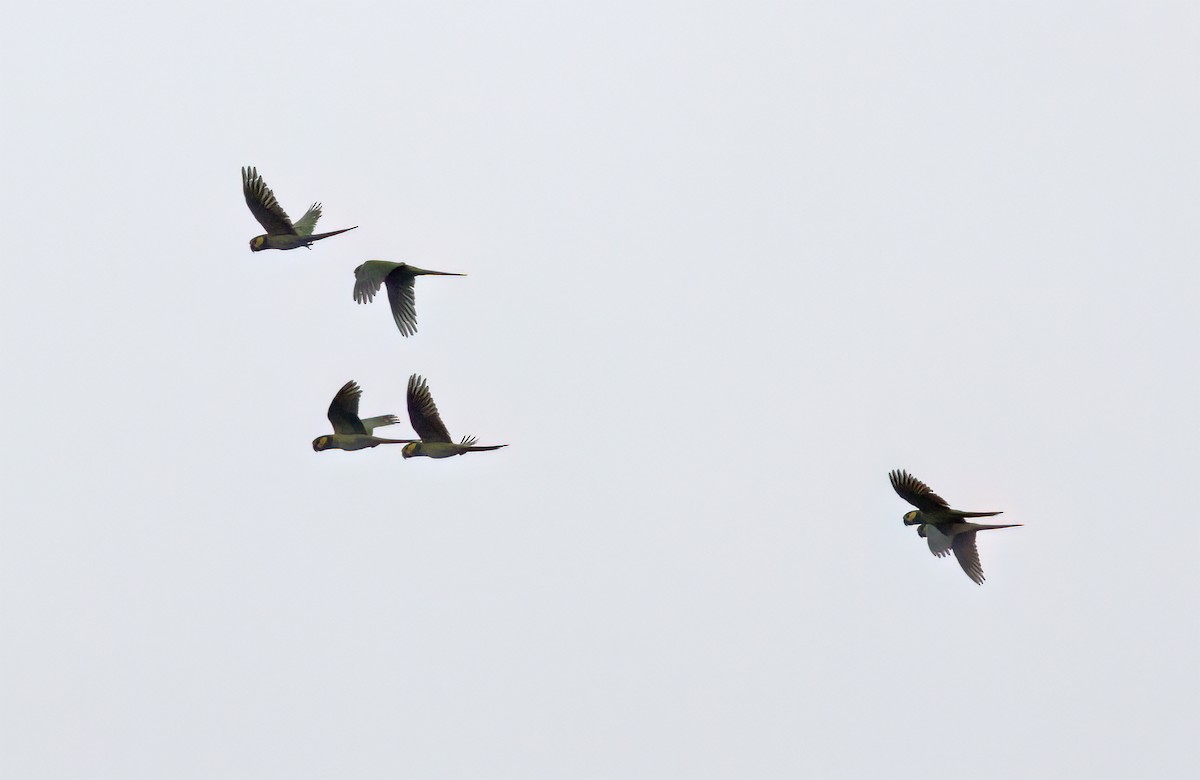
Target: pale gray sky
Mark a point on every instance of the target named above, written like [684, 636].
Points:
[729, 263]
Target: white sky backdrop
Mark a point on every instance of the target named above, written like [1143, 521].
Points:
[728, 265]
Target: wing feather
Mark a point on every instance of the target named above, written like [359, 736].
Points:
[401, 287]
[371, 423]
[343, 412]
[423, 412]
[264, 207]
[939, 543]
[309, 221]
[368, 278]
[373, 274]
[916, 492]
[968, 556]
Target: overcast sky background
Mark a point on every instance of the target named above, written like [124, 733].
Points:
[729, 263]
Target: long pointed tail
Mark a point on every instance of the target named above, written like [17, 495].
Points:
[986, 527]
[423, 272]
[485, 449]
[319, 236]
[979, 514]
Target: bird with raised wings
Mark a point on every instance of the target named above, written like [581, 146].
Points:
[349, 431]
[435, 439]
[281, 233]
[400, 279]
[944, 528]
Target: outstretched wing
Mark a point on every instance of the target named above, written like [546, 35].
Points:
[309, 221]
[368, 278]
[968, 556]
[264, 207]
[343, 412]
[401, 289]
[423, 412]
[371, 423]
[939, 543]
[373, 274]
[916, 492]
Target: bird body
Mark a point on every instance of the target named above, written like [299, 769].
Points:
[941, 526]
[427, 422]
[285, 242]
[352, 441]
[443, 449]
[281, 232]
[400, 279]
[943, 515]
[349, 431]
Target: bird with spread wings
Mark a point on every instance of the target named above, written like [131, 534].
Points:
[281, 232]
[944, 528]
[435, 438]
[350, 432]
[400, 280]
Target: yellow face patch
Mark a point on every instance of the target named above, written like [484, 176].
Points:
[257, 242]
[910, 516]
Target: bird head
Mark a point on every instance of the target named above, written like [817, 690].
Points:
[410, 449]
[912, 518]
[320, 443]
[258, 243]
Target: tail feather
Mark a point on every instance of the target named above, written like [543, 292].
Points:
[979, 514]
[319, 236]
[468, 445]
[986, 527]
